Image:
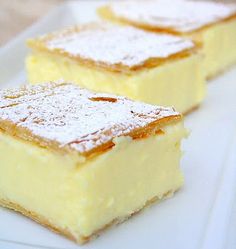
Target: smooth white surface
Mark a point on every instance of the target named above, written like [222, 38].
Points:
[199, 215]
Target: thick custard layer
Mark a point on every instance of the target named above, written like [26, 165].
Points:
[219, 47]
[179, 83]
[83, 197]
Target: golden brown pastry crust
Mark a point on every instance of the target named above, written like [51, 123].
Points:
[61, 40]
[65, 232]
[67, 118]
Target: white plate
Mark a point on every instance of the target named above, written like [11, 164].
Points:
[198, 216]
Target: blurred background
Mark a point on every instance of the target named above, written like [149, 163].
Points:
[16, 15]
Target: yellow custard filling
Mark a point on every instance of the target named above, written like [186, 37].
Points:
[84, 195]
[219, 46]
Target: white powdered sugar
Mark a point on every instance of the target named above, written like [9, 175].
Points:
[178, 15]
[73, 117]
[116, 45]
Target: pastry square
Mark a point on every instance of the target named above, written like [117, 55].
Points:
[157, 69]
[78, 161]
[211, 23]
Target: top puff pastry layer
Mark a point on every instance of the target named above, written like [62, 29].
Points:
[66, 117]
[178, 16]
[113, 47]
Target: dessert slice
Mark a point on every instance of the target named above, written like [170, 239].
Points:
[212, 23]
[76, 161]
[157, 69]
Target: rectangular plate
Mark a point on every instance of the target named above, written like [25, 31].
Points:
[199, 214]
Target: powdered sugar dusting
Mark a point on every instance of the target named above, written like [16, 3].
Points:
[179, 15]
[117, 45]
[73, 117]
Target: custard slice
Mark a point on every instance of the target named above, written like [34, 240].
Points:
[211, 23]
[154, 68]
[78, 161]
